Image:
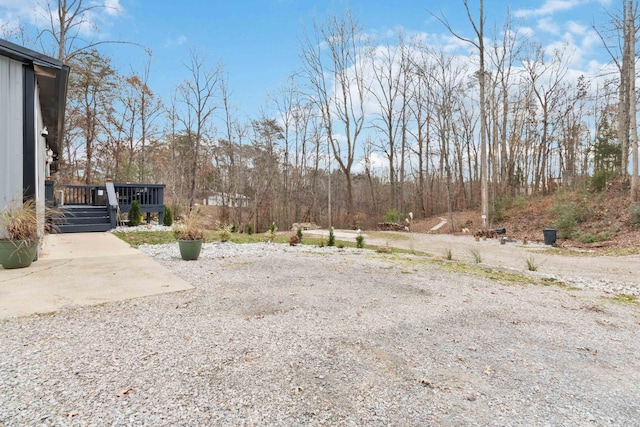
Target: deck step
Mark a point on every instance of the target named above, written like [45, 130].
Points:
[83, 228]
[82, 219]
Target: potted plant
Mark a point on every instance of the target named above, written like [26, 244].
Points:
[190, 234]
[19, 224]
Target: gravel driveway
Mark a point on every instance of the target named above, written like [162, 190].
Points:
[274, 335]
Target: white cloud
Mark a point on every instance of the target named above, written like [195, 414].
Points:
[526, 31]
[35, 13]
[379, 165]
[178, 41]
[113, 7]
[577, 28]
[548, 25]
[548, 8]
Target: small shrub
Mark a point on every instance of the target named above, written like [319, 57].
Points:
[520, 202]
[294, 240]
[585, 238]
[299, 234]
[271, 234]
[134, 214]
[249, 229]
[500, 205]
[322, 242]
[448, 254]
[599, 179]
[167, 219]
[477, 256]
[359, 241]
[571, 211]
[224, 231]
[531, 263]
[391, 216]
[191, 227]
[332, 238]
[566, 224]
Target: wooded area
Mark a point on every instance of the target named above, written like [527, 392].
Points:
[363, 128]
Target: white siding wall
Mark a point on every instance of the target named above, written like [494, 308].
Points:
[41, 147]
[11, 108]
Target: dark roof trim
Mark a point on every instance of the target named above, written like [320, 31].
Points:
[20, 53]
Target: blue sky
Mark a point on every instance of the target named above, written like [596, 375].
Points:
[257, 40]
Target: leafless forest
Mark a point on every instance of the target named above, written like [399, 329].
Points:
[363, 127]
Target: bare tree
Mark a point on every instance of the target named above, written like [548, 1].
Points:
[67, 19]
[478, 28]
[630, 39]
[333, 62]
[198, 99]
[389, 90]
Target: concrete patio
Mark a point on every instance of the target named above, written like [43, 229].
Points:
[83, 269]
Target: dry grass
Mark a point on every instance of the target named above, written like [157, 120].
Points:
[191, 226]
[21, 221]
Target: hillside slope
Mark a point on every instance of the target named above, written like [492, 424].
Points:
[583, 218]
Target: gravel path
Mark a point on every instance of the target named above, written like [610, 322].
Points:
[274, 335]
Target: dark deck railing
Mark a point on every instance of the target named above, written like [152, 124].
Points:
[150, 197]
[116, 197]
[86, 195]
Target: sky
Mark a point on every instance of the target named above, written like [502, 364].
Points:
[258, 40]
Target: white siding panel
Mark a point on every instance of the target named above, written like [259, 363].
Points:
[11, 132]
[41, 146]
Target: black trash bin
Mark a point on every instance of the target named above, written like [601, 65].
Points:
[550, 235]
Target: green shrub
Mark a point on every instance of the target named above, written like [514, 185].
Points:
[477, 256]
[299, 234]
[391, 216]
[585, 238]
[249, 229]
[359, 241]
[167, 220]
[332, 238]
[224, 231]
[520, 202]
[500, 205]
[598, 181]
[134, 214]
[531, 263]
[566, 224]
[571, 211]
[271, 234]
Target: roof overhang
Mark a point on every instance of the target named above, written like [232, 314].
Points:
[52, 77]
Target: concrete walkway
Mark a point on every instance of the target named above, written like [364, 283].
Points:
[83, 269]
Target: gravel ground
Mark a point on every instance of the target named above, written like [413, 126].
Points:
[274, 335]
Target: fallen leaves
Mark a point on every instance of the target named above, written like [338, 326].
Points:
[125, 391]
[588, 350]
[426, 383]
[251, 358]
